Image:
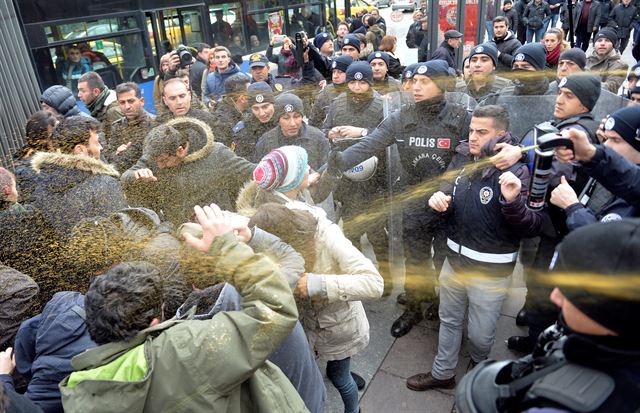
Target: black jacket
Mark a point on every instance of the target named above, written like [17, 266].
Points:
[507, 48]
[535, 15]
[446, 53]
[512, 15]
[618, 175]
[426, 135]
[226, 117]
[520, 6]
[62, 100]
[595, 15]
[122, 132]
[198, 75]
[606, 6]
[623, 18]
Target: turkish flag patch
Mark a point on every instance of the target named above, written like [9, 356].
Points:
[444, 143]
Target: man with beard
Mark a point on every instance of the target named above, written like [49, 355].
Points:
[124, 145]
[571, 61]
[257, 123]
[382, 82]
[484, 81]
[291, 130]
[505, 42]
[74, 183]
[350, 115]
[338, 85]
[607, 61]
[177, 98]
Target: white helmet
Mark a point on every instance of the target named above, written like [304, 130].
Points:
[363, 171]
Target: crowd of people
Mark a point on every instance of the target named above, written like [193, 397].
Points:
[202, 258]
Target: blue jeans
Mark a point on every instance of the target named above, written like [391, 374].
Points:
[538, 33]
[554, 20]
[339, 373]
[489, 25]
[483, 296]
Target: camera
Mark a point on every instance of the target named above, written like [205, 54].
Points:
[186, 58]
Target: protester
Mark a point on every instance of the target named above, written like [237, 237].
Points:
[17, 301]
[225, 68]
[554, 44]
[101, 101]
[506, 43]
[388, 45]
[623, 17]
[447, 49]
[607, 61]
[535, 18]
[8, 194]
[59, 101]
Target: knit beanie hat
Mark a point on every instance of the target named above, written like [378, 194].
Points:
[288, 102]
[600, 262]
[282, 169]
[410, 70]
[585, 86]
[533, 53]
[608, 33]
[438, 71]
[626, 122]
[341, 63]
[260, 92]
[351, 40]
[634, 73]
[379, 55]
[576, 55]
[485, 49]
[360, 71]
[320, 39]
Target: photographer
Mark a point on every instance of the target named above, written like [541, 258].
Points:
[286, 59]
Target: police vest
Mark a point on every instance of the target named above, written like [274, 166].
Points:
[426, 139]
[478, 231]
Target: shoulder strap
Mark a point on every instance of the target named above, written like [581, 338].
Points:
[576, 387]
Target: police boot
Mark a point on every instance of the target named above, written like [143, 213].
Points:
[522, 318]
[405, 322]
[402, 299]
[522, 344]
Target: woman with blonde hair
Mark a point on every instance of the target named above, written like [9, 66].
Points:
[388, 44]
[554, 44]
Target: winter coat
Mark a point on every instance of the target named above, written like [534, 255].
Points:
[512, 15]
[15, 402]
[294, 356]
[286, 61]
[507, 48]
[446, 53]
[197, 75]
[26, 179]
[606, 6]
[378, 34]
[595, 14]
[210, 173]
[310, 138]
[495, 85]
[226, 117]
[71, 188]
[536, 15]
[618, 175]
[411, 39]
[214, 88]
[424, 45]
[395, 67]
[622, 18]
[122, 132]
[246, 134]
[335, 323]
[62, 100]
[222, 364]
[16, 293]
[105, 108]
[520, 6]
[611, 68]
[45, 345]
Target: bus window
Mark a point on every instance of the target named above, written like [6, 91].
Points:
[117, 59]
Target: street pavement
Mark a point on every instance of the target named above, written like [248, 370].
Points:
[387, 362]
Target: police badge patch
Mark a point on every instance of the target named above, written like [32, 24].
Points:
[563, 82]
[358, 76]
[422, 70]
[479, 49]
[610, 123]
[288, 108]
[259, 98]
[486, 194]
[519, 57]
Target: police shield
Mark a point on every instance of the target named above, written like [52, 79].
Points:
[462, 99]
[608, 103]
[527, 111]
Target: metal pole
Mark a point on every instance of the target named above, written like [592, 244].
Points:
[570, 10]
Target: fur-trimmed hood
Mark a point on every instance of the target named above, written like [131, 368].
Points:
[80, 162]
[200, 146]
[65, 171]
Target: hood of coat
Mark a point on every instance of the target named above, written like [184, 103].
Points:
[64, 171]
[61, 99]
[201, 139]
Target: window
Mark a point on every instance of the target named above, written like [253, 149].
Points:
[90, 28]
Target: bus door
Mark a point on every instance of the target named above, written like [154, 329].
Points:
[169, 28]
